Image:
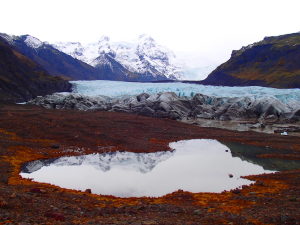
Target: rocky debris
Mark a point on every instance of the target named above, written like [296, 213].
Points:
[169, 105]
[55, 146]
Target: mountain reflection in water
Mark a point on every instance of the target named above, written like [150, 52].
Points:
[198, 165]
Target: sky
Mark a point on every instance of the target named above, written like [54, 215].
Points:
[204, 32]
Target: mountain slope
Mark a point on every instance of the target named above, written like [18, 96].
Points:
[52, 60]
[22, 79]
[143, 60]
[272, 62]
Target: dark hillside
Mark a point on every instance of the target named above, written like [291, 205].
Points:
[22, 79]
[272, 62]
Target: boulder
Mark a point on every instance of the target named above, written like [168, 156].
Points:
[142, 97]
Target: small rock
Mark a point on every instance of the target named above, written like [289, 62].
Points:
[55, 146]
[236, 191]
[53, 207]
[38, 190]
[284, 133]
[13, 195]
[197, 212]
[293, 199]
[43, 191]
[88, 191]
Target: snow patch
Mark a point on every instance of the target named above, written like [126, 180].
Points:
[8, 38]
[33, 42]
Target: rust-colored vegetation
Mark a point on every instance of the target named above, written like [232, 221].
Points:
[29, 133]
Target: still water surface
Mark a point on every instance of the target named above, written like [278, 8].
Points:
[198, 165]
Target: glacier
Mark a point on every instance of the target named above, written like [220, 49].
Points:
[290, 97]
[182, 101]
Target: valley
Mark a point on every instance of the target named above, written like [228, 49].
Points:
[122, 111]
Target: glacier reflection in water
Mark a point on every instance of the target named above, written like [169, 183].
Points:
[198, 165]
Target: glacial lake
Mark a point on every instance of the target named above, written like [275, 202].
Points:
[198, 165]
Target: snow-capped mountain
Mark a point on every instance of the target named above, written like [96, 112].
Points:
[55, 62]
[140, 60]
[29, 40]
[142, 57]
[33, 42]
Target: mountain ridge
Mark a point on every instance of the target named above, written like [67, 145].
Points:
[22, 79]
[144, 61]
[143, 58]
[272, 62]
[55, 62]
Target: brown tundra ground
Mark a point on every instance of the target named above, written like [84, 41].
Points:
[29, 133]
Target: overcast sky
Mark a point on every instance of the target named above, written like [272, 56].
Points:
[209, 28]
